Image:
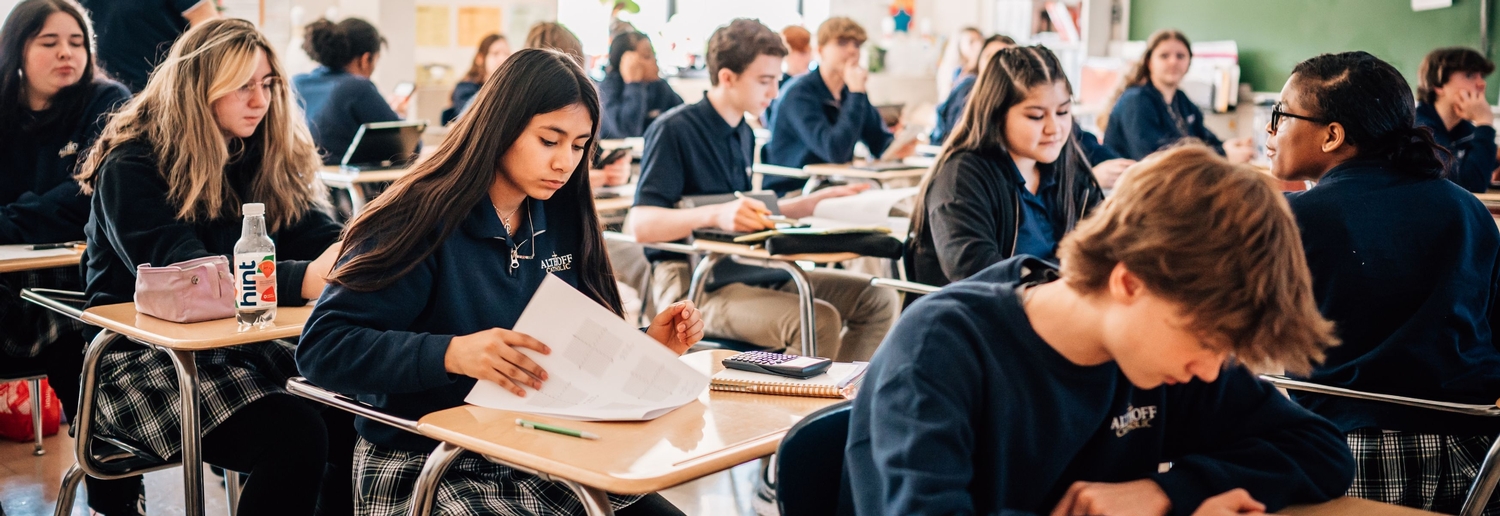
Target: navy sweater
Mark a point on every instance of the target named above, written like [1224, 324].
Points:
[631, 107]
[39, 201]
[1407, 268]
[965, 410]
[386, 346]
[1141, 123]
[1472, 148]
[810, 127]
[336, 103]
[952, 109]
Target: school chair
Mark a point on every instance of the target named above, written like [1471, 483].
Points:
[810, 478]
[32, 371]
[425, 493]
[708, 343]
[1489, 470]
[102, 456]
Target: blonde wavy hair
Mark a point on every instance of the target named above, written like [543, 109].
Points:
[174, 115]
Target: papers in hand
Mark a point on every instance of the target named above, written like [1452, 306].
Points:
[600, 369]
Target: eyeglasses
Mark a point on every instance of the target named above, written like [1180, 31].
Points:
[1277, 115]
[271, 86]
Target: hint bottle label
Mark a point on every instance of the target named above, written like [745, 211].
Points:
[256, 273]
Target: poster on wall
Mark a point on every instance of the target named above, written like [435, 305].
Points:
[474, 23]
[432, 26]
[1427, 5]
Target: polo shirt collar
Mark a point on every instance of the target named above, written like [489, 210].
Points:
[721, 128]
[483, 222]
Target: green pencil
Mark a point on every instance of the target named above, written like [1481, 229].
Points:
[555, 429]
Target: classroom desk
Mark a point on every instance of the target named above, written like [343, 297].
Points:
[48, 262]
[349, 180]
[181, 342]
[816, 173]
[757, 256]
[1353, 507]
[714, 433]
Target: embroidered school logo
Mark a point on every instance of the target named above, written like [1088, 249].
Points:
[558, 263]
[1132, 419]
[68, 150]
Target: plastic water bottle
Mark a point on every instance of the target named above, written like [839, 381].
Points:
[255, 271]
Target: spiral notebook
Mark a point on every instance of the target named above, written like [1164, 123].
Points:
[840, 381]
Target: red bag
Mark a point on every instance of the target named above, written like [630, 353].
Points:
[15, 411]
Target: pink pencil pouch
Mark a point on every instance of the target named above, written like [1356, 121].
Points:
[196, 290]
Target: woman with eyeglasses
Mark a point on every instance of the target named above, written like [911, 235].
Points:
[436, 272]
[1404, 262]
[215, 128]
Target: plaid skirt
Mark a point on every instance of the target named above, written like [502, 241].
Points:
[384, 479]
[138, 397]
[1425, 471]
[26, 329]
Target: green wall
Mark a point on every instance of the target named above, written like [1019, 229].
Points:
[1274, 35]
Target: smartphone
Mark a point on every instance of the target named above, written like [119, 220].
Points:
[604, 159]
[404, 91]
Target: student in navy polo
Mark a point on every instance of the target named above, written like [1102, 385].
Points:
[338, 96]
[704, 149]
[1113, 385]
[134, 36]
[820, 116]
[1450, 102]
[1153, 113]
[633, 93]
[952, 106]
[436, 271]
[1405, 264]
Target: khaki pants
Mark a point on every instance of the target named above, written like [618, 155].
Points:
[851, 316]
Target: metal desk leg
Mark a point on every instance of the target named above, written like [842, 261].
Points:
[356, 199]
[700, 277]
[35, 384]
[232, 490]
[425, 492]
[595, 502]
[1484, 484]
[805, 300]
[69, 491]
[83, 428]
[192, 462]
[812, 184]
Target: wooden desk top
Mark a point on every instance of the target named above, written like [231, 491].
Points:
[48, 262]
[332, 175]
[760, 252]
[717, 431]
[847, 170]
[123, 319]
[1353, 507]
[621, 203]
[1489, 197]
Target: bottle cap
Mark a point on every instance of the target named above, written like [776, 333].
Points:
[254, 209]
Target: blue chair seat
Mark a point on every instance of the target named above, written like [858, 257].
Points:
[810, 477]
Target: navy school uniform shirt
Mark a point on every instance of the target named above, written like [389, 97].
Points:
[979, 213]
[1472, 148]
[811, 127]
[952, 109]
[1407, 269]
[336, 103]
[966, 410]
[133, 223]
[629, 108]
[135, 35]
[463, 93]
[1142, 122]
[39, 201]
[692, 150]
[386, 347]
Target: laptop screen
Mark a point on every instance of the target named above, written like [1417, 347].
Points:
[384, 144]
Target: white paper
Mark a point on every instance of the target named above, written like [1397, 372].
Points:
[23, 251]
[600, 369]
[871, 207]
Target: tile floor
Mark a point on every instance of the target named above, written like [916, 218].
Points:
[28, 486]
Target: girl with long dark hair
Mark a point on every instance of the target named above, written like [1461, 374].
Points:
[1011, 180]
[1404, 262]
[438, 268]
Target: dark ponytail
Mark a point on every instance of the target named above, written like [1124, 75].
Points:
[1374, 104]
[335, 45]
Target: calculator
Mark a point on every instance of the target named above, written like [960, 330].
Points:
[778, 364]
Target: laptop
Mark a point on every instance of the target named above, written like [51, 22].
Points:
[384, 145]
